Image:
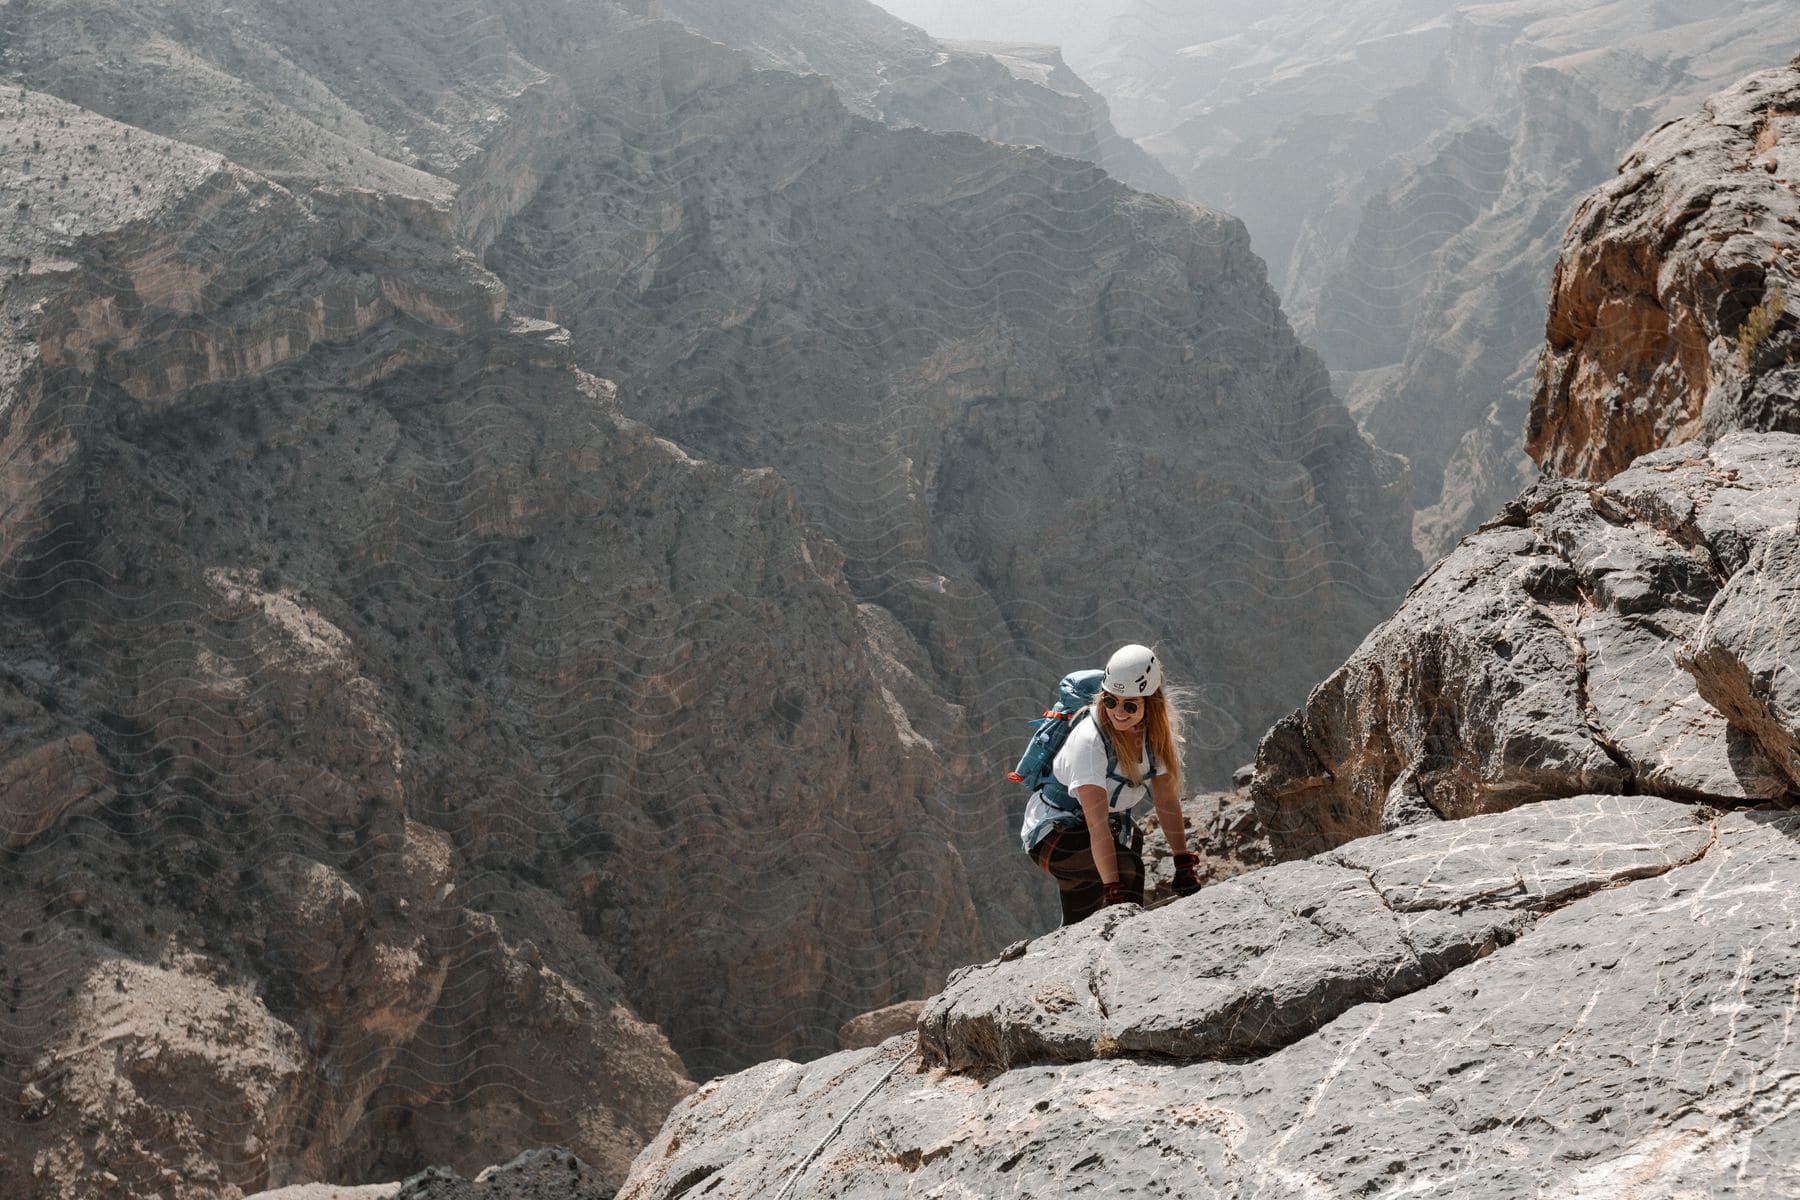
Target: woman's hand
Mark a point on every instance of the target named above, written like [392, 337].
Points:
[1186, 881]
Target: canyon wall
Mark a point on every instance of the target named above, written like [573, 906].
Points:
[1540, 818]
[526, 543]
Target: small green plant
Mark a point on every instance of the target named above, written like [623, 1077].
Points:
[1759, 325]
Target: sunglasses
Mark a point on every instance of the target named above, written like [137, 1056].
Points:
[1110, 702]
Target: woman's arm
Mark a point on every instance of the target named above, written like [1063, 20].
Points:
[1094, 808]
[1168, 813]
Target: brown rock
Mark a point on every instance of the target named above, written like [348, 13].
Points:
[1669, 313]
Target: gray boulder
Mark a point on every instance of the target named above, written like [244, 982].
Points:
[1595, 638]
[1627, 1041]
[1257, 962]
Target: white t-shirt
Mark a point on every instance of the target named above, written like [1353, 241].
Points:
[1082, 760]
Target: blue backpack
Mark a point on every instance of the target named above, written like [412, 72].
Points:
[1048, 732]
[1036, 766]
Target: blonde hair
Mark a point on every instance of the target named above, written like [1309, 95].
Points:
[1162, 729]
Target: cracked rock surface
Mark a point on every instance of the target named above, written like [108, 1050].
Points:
[1622, 637]
[1634, 1040]
[1254, 963]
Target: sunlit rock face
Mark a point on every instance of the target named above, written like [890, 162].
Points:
[1408, 169]
[1670, 317]
[412, 756]
[1480, 1007]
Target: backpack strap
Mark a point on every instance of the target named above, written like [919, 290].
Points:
[1124, 781]
[1059, 797]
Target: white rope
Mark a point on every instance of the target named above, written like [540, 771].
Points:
[794, 1175]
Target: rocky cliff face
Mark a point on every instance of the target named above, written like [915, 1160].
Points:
[1408, 170]
[252, 902]
[1554, 653]
[1566, 647]
[1670, 317]
[976, 366]
[1464, 979]
[367, 673]
[883, 68]
[408, 752]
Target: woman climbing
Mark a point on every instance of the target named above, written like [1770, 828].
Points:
[1120, 748]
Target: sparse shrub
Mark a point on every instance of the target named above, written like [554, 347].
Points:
[1759, 325]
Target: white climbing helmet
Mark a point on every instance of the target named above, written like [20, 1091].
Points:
[1133, 671]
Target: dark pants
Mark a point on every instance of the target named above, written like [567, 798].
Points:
[1068, 854]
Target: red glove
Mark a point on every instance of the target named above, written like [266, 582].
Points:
[1117, 893]
[1186, 882]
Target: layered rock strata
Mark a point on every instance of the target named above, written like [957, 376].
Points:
[1023, 400]
[1468, 1015]
[585, 113]
[366, 670]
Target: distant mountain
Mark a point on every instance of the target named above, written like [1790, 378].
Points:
[1407, 168]
[1008, 89]
[1076, 27]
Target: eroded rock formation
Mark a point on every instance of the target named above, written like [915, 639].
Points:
[1558, 650]
[1552, 653]
[1671, 314]
[367, 711]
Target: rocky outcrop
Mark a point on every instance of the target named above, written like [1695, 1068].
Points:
[547, 1173]
[874, 1028]
[1258, 962]
[1558, 650]
[1408, 170]
[1552, 653]
[1468, 1012]
[1222, 828]
[1670, 317]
